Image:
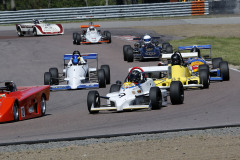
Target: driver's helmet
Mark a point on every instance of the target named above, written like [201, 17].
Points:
[147, 39]
[91, 28]
[76, 57]
[175, 59]
[135, 76]
[36, 21]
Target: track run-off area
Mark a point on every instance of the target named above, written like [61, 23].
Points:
[25, 59]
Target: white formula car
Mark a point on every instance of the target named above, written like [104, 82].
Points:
[91, 35]
[38, 27]
[78, 74]
[137, 92]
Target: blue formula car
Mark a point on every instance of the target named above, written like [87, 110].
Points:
[219, 70]
[146, 48]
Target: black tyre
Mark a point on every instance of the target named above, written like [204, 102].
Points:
[169, 49]
[130, 54]
[16, 111]
[125, 47]
[164, 45]
[34, 31]
[78, 39]
[19, 32]
[75, 37]
[93, 99]
[101, 78]
[216, 62]
[106, 69]
[224, 70]
[115, 88]
[43, 105]
[203, 66]
[204, 77]
[155, 96]
[47, 78]
[108, 36]
[54, 74]
[176, 92]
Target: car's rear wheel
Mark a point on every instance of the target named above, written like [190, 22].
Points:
[54, 74]
[19, 32]
[34, 31]
[75, 37]
[43, 105]
[130, 54]
[93, 100]
[101, 78]
[106, 69]
[224, 70]
[164, 45]
[16, 111]
[204, 78]
[176, 92]
[203, 66]
[108, 36]
[155, 96]
[115, 88]
[125, 47]
[169, 49]
[47, 78]
[216, 62]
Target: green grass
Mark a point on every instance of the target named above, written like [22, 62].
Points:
[227, 48]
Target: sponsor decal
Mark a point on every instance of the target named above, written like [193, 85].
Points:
[195, 65]
[22, 111]
[128, 85]
[139, 91]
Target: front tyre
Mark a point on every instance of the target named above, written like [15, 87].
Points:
[130, 54]
[43, 105]
[125, 47]
[19, 32]
[34, 31]
[93, 100]
[204, 77]
[155, 96]
[16, 111]
[101, 78]
[176, 92]
[224, 70]
[47, 78]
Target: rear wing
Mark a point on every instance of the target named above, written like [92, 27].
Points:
[86, 26]
[184, 55]
[84, 55]
[199, 47]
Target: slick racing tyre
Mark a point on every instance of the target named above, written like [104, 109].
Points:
[108, 37]
[216, 62]
[176, 92]
[75, 38]
[43, 105]
[106, 69]
[155, 96]
[169, 49]
[130, 54]
[125, 47]
[101, 78]
[19, 32]
[34, 31]
[93, 100]
[115, 88]
[47, 78]
[16, 111]
[203, 66]
[204, 78]
[54, 74]
[224, 70]
[78, 39]
[164, 45]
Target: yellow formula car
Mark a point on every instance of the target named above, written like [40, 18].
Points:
[178, 70]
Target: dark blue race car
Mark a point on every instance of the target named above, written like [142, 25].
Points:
[146, 48]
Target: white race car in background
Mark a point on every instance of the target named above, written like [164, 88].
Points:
[38, 27]
[78, 74]
[91, 35]
[131, 95]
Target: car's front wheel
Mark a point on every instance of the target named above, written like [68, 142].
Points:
[176, 92]
[93, 100]
[155, 96]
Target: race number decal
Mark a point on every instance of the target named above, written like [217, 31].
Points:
[22, 111]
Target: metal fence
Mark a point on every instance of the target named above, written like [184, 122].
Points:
[102, 12]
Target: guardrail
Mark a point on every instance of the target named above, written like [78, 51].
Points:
[101, 12]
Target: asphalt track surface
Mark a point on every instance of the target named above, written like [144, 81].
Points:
[24, 60]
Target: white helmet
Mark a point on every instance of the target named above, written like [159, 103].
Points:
[91, 28]
[147, 39]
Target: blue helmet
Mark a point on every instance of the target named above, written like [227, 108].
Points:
[75, 59]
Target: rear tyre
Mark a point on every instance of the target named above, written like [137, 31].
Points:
[54, 74]
[78, 39]
[224, 70]
[75, 37]
[164, 45]
[155, 96]
[108, 36]
[106, 69]
[125, 47]
[203, 66]
[47, 78]
[16, 111]
[216, 62]
[130, 54]
[169, 49]
[19, 32]
[115, 88]
[34, 31]
[101, 78]
[43, 105]
[93, 100]
[204, 78]
[176, 92]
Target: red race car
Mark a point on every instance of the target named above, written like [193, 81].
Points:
[20, 103]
